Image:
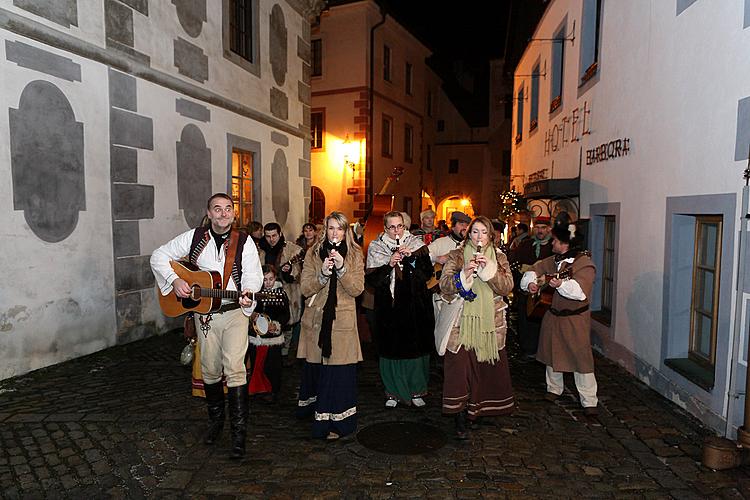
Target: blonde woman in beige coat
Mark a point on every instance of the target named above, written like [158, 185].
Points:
[332, 277]
[476, 373]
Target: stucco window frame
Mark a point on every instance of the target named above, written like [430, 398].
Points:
[235, 142]
[598, 213]
[681, 216]
[588, 77]
[253, 66]
[556, 101]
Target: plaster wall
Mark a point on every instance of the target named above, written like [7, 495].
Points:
[671, 84]
[57, 301]
[80, 289]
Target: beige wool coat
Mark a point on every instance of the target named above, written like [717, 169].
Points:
[344, 336]
[499, 279]
[565, 341]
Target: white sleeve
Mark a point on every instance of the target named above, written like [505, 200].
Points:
[528, 277]
[570, 289]
[252, 274]
[433, 252]
[174, 249]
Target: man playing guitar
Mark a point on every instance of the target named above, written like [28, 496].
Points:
[222, 334]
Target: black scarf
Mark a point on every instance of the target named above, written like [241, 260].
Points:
[329, 309]
[272, 252]
[219, 239]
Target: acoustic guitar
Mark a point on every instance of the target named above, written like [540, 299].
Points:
[207, 292]
[538, 303]
[381, 204]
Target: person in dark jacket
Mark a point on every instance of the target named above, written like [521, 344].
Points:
[398, 268]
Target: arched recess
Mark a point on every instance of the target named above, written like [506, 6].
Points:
[453, 203]
[46, 150]
[317, 205]
[193, 174]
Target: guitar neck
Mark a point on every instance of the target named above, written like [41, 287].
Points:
[234, 294]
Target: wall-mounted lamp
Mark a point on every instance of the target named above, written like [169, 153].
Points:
[351, 154]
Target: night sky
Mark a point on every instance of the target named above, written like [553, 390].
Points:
[466, 37]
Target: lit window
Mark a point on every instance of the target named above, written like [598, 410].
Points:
[242, 186]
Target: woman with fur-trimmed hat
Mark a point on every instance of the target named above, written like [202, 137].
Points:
[565, 340]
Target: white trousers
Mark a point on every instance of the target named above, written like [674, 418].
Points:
[585, 383]
[223, 349]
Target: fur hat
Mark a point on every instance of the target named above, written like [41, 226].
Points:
[568, 233]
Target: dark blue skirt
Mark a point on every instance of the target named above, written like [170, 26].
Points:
[329, 393]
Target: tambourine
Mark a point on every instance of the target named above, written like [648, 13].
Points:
[262, 325]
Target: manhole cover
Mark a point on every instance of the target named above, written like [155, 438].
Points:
[401, 438]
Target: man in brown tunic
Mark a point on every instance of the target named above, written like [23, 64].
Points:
[565, 343]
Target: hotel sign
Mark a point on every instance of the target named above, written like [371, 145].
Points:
[569, 129]
[608, 151]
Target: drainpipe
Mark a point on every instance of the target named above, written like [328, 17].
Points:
[722, 453]
[743, 433]
[369, 180]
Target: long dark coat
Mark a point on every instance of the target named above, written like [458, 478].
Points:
[405, 322]
[565, 341]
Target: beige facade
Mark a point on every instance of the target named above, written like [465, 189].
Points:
[416, 129]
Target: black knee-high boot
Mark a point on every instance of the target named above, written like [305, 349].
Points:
[215, 402]
[460, 421]
[238, 413]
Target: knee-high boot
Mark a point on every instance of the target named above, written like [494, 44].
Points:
[238, 414]
[215, 403]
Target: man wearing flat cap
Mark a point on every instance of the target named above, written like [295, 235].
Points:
[530, 250]
[440, 248]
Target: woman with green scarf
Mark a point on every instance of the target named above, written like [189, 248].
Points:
[477, 376]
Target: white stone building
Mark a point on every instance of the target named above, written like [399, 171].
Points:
[636, 115]
[121, 118]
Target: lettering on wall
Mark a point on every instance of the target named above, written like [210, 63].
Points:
[539, 175]
[569, 129]
[609, 150]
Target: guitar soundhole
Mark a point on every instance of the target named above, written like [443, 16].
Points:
[189, 303]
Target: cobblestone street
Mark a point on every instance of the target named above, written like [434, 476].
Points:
[122, 424]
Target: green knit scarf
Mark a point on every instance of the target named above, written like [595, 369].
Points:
[478, 317]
